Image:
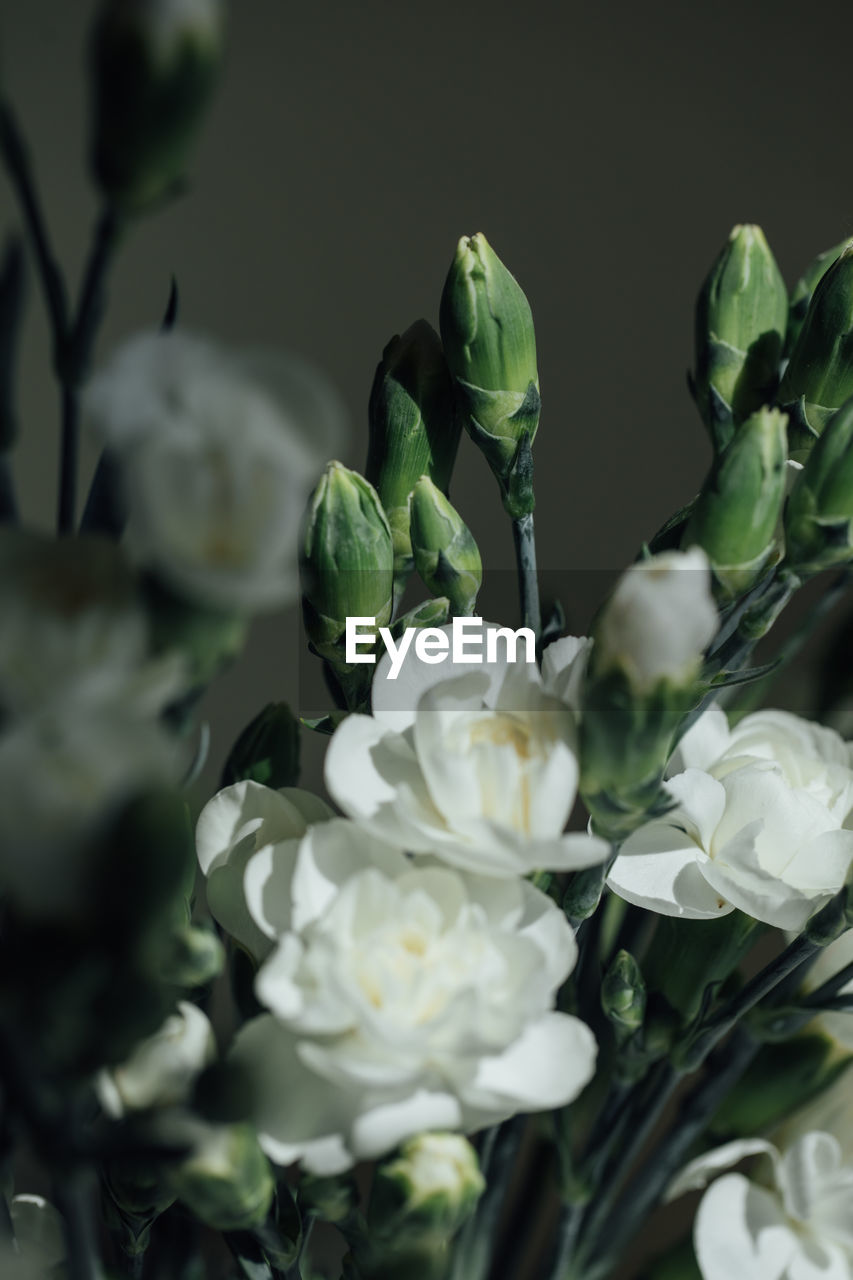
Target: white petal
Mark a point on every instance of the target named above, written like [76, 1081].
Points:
[381, 1127]
[267, 884]
[741, 1231]
[395, 702]
[696, 1175]
[563, 668]
[703, 743]
[702, 802]
[297, 1115]
[547, 1066]
[660, 868]
[808, 1168]
[328, 856]
[242, 809]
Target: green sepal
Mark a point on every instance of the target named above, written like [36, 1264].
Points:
[267, 750]
[685, 957]
[781, 1079]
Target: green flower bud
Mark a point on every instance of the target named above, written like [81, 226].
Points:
[267, 751]
[414, 428]
[583, 893]
[347, 564]
[226, 1181]
[446, 555]
[488, 336]
[333, 1199]
[623, 995]
[741, 315]
[737, 512]
[819, 376]
[803, 290]
[818, 528]
[154, 66]
[427, 1191]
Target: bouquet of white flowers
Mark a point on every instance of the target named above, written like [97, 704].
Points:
[426, 1019]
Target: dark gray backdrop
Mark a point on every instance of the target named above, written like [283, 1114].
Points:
[605, 150]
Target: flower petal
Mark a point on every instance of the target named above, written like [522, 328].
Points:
[741, 1231]
[547, 1066]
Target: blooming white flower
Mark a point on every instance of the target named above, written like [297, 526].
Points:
[234, 825]
[479, 769]
[39, 1252]
[218, 453]
[798, 1227]
[761, 822]
[162, 1068]
[403, 997]
[659, 619]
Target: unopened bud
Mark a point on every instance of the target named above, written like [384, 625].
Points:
[801, 294]
[623, 995]
[347, 564]
[489, 340]
[737, 513]
[162, 1069]
[446, 555]
[819, 514]
[819, 376]
[741, 316]
[414, 428]
[428, 1190]
[154, 66]
[226, 1181]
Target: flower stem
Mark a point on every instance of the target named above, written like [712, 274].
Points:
[77, 355]
[528, 583]
[73, 1194]
[472, 1254]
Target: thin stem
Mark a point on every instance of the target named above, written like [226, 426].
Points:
[77, 355]
[8, 502]
[472, 1255]
[632, 1209]
[17, 164]
[817, 998]
[528, 583]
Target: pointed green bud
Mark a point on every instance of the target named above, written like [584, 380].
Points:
[267, 750]
[741, 316]
[425, 1193]
[414, 428]
[819, 514]
[623, 995]
[154, 66]
[737, 513]
[801, 294]
[226, 1181]
[446, 555]
[347, 564]
[819, 376]
[583, 893]
[489, 340]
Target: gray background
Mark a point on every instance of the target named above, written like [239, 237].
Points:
[605, 150]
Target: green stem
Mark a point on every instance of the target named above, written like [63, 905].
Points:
[472, 1254]
[629, 1212]
[817, 998]
[77, 356]
[528, 583]
[74, 1198]
[8, 502]
[17, 164]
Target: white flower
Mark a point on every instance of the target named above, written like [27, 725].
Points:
[218, 453]
[39, 1252]
[798, 1227]
[232, 826]
[659, 619]
[162, 1068]
[403, 996]
[478, 769]
[760, 823]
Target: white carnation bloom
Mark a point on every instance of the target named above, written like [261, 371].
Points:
[478, 769]
[403, 996]
[218, 453]
[162, 1068]
[798, 1226]
[659, 619]
[234, 825]
[761, 823]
